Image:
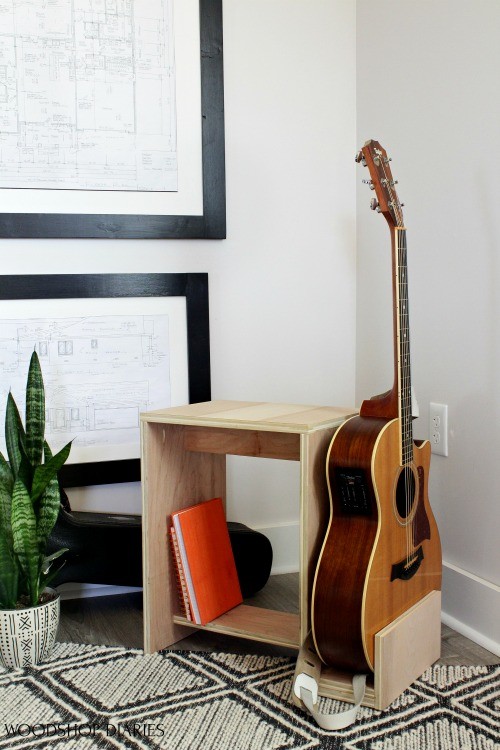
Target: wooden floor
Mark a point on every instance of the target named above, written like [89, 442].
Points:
[117, 621]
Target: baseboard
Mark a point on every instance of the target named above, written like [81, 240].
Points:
[471, 606]
[87, 590]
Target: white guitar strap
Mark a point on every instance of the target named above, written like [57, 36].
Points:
[305, 689]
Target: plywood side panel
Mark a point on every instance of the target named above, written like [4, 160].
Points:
[172, 479]
[314, 513]
[406, 648]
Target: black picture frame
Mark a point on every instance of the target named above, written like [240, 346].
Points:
[212, 223]
[192, 286]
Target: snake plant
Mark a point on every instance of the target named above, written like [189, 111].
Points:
[29, 499]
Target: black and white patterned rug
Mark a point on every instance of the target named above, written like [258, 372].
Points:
[102, 697]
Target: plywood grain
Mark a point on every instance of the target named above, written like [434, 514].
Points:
[256, 624]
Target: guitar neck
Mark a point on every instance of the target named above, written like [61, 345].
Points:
[397, 402]
[402, 362]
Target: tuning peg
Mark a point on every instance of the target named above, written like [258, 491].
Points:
[360, 158]
[374, 205]
[369, 183]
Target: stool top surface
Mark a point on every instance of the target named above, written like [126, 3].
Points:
[253, 415]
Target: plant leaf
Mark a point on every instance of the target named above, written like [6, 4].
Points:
[4, 465]
[35, 411]
[46, 451]
[6, 511]
[47, 562]
[6, 484]
[46, 472]
[9, 574]
[14, 434]
[23, 589]
[48, 573]
[24, 533]
[25, 469]
[48, 510]
[46, 579]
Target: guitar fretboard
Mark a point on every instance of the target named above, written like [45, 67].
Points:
[404, 362]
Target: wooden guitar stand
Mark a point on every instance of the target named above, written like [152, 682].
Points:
[404, 649]
[184, 453]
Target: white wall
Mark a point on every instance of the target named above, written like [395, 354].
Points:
[427, 89]
[282, 286]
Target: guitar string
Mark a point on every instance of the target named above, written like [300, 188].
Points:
[404, 371]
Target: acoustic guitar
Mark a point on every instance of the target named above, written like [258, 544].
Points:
[381, 553]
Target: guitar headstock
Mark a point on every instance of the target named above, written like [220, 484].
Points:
[373, 156]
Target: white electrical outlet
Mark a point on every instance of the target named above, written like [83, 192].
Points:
[438, 428]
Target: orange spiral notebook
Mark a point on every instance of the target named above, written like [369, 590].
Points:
[207, 560]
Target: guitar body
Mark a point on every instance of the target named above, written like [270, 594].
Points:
[381, 553]
[358, 587]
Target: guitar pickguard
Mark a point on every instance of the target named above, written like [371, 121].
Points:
[421, 526]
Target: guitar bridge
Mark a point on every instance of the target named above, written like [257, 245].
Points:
[407, 568]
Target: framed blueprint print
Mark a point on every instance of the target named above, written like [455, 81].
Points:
[112, 119]
[110, 346]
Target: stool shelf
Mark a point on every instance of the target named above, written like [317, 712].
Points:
[254, 623]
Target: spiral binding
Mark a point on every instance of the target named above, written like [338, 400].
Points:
[181, 580]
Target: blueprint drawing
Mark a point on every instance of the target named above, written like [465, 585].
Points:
[87, 95]
[99, 373]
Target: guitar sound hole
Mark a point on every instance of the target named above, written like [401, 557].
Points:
[405, 492]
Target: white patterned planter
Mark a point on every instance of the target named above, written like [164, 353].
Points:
[27, 636]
